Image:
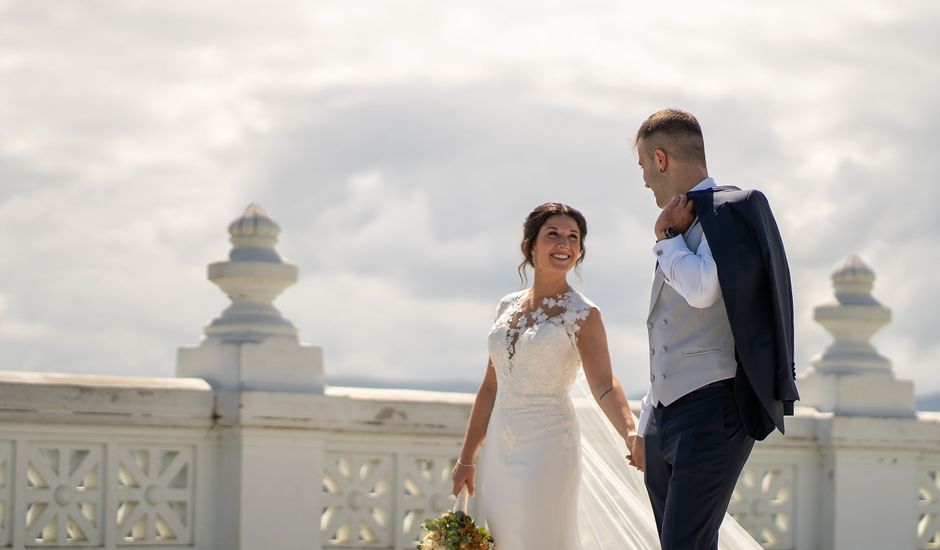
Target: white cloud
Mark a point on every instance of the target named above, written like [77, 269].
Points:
[400, 144]
[13, 329]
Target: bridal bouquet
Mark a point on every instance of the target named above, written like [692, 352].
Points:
[455, 530]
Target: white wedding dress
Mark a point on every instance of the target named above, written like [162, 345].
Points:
[531, 463]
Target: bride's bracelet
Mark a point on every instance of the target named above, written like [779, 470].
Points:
[459, 463]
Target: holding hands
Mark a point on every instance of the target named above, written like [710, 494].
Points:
[636, 456]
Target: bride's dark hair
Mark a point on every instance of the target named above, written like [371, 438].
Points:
[534, 222]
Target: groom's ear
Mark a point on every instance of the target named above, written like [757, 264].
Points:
[661, 159]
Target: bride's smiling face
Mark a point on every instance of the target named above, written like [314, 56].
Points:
[558, 245]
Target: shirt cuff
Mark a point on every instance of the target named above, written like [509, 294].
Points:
[646, 409]
[668, 251]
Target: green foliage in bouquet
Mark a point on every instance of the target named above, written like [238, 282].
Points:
[454, 531]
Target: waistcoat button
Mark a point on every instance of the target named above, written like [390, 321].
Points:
[649, 325]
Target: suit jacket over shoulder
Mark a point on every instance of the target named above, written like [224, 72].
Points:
[755, 283]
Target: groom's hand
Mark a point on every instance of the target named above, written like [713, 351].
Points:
[637, 455]
[678, 214]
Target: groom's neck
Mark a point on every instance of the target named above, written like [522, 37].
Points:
[688, 176]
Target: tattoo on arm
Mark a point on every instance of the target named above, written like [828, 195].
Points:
[603, 395]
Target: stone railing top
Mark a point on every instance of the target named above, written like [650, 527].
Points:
[102, 381]
[362, 410]
[400, 394]
[37, 398]
[75, 398]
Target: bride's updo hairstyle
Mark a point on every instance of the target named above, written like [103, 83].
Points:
[533, 224]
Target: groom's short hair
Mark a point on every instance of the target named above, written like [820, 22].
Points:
[676, 131]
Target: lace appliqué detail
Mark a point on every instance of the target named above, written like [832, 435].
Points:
[563, 310]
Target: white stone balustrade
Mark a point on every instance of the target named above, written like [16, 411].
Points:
[248, 450]
[104, 462]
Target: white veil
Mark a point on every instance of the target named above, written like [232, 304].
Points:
[613, 508]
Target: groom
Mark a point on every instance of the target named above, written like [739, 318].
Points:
[720, 335]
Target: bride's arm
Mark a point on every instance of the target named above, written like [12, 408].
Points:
[595, 359]
[465, 469]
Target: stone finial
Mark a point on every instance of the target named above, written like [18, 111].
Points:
[253, 236]
[251, 347]
[253, 277]
[850, 377]
[853, 281]
[852, 320]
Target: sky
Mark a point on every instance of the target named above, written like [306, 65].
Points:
[400, 144]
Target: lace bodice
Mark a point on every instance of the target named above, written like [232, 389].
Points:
[535, 351]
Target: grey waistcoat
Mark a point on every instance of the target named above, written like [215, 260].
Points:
[689, 347]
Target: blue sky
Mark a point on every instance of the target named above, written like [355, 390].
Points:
[400, 144]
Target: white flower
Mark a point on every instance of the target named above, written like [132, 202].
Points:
[538, 315]
[570, 317]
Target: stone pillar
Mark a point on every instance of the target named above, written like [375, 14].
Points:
[268, 480]
[867, 477]
[251, 346]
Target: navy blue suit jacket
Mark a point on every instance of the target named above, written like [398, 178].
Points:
[755, 284]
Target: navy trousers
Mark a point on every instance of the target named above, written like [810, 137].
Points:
[695, 451]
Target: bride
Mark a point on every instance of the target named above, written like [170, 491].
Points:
[531, 464]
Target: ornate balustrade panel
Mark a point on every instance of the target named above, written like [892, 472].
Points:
[377, 495]
[64, 492]
[358, 500]
[425, 492]
[928, 507]
[764, 503]
[155, 494]
[97, 487]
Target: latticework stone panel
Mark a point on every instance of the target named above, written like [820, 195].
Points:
[763, 503]
[425, 492]
[357, 500]
[928, 508]
[64, 494]
[380, 500]
[155, 495]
